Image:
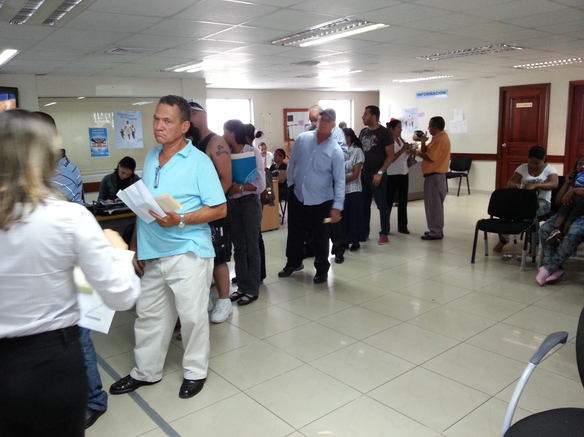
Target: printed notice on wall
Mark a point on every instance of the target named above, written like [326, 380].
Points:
[98, 142]
[128, 129]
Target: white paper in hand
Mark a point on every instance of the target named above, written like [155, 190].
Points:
[95, 314]
[140, 201]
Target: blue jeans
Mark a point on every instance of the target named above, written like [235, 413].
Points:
[378, 193]
[97, 397]
[556, 256]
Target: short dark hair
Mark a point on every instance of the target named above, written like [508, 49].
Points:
[393, 123]
[437, 122]
[184, 108]
[374, 110]
[238, 128]
[537, 152]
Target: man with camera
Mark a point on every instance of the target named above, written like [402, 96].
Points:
[435, 160]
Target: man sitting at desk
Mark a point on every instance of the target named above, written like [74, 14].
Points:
[121, 178]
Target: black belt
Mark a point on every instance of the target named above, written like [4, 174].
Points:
[431, 174]
[242, 199]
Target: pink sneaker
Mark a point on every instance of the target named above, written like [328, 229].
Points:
[542, 276]
[383, 239]
[555, 276]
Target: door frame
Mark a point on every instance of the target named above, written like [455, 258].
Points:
[500, 133]
[569, 127]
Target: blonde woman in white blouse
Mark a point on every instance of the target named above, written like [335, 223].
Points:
[42, 238]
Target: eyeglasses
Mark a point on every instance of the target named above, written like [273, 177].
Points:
[157, 177]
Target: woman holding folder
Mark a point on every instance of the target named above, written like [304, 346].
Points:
[246, 211]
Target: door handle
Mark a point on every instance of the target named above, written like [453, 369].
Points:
[504, 145]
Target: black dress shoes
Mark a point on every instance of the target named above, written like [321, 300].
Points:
[319, 278]
[128, 384]
[340, 258]
[190, 387]
[403, 231]
[428, 237]
[91, 416]
[288, 270]
[355, 247]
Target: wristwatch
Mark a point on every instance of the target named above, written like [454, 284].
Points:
[182, 221]
[380, 172]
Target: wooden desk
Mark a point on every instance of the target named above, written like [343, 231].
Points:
[271, 215]
[116, 222]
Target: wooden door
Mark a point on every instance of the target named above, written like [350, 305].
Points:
[523, 123]
[575, 126]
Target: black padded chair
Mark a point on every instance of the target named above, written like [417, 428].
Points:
[560, 422]
[512, 211]
[459, 168]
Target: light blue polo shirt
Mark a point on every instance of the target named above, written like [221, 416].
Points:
[191, 179]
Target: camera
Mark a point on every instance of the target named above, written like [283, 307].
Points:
[419, 133]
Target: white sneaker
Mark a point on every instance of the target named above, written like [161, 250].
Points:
[222, 311]
[210, 305]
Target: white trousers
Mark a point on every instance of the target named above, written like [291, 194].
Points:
[173, 286]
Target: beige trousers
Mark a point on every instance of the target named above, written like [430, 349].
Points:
[173, 286]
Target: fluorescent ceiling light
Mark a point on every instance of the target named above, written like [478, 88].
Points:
[50, 104]
[328, 32]
[29, 8]
[141, 103]
[486, 50]
[189, 67]
[335, 36]
[418, 79]
[6, 55]
[550, 63]
[60, 12]
[80, 98]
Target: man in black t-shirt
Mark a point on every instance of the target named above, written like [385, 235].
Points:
[377, 141]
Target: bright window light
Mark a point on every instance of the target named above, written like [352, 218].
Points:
[343, 108]
[221, 110]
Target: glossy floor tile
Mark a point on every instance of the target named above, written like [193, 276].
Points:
[407, 339]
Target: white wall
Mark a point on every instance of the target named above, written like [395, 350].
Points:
[479, 99]
[274, 102]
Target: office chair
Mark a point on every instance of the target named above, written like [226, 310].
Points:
[511, 211]
[560, 422]
[459, 168]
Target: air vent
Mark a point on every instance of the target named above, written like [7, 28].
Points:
[130, 51]
[422, 71]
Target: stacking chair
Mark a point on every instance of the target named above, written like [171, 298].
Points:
[459, 168]
[512, 211]
[561, 422]
[283, 206]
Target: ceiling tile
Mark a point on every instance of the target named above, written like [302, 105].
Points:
[220, 11]
[110, 22]
[289, 21]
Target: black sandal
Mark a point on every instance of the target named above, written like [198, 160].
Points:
[236, 295]
[247, 299]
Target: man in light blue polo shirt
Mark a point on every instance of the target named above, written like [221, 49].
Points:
[316, 181]
[175, 254]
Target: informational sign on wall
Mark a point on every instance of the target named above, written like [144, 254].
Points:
[128, 129]
[431, 94]
[98, 142]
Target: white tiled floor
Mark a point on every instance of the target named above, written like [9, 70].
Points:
[407, 339]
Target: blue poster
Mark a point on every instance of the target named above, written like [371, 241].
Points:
[128, 129]
[98, 142]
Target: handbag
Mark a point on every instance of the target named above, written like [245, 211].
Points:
[412, 161]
